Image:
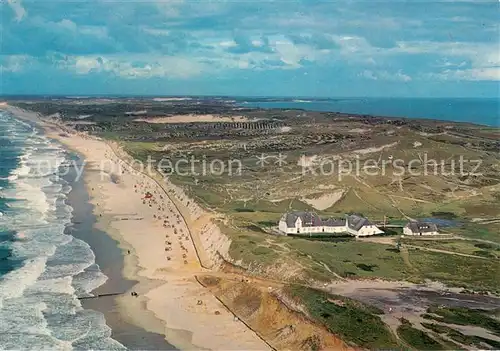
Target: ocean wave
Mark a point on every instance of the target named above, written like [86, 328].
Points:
[22, 171]
[15, 282]
[38, 298]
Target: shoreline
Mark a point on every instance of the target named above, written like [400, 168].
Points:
[169, 296]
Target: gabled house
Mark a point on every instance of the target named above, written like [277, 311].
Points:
[360, 226]
[420, 228]
[300, 222]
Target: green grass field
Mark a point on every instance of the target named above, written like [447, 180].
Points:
[488, 232]
[468, 272]
[353, 258]
[476, 248]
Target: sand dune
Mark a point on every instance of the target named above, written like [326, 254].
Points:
[324, 201]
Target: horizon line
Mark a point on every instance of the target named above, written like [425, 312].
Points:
[83, 96]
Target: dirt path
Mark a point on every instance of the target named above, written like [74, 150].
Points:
[406, 257]
[412, 199]
[397, 208]
[362, 200]
[444, 251]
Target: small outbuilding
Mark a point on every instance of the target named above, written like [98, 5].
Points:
[420, 228]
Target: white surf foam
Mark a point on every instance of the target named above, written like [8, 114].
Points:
[14, 283]
[38, 300]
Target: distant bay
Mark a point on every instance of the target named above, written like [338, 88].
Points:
[480, 111]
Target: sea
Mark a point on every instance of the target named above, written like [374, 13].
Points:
[485, 111]
[43, 269]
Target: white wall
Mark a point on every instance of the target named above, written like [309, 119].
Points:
[299, 229]
[407, 231]
[282, 226]
[342, 229]
[369, 230]
[309, 230]
[351, 231]
[298, 224]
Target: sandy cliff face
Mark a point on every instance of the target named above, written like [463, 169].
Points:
[214, 244]
[260, 308]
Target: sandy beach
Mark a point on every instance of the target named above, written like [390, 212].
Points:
[158, 251]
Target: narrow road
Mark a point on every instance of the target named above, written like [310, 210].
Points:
[406, 257]
[444, 251]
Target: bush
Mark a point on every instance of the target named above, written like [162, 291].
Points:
[444, 215]
[244, 210]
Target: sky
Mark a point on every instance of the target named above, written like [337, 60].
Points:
[307, 48]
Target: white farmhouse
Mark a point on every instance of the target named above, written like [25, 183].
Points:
[310, 223]
[420, 228]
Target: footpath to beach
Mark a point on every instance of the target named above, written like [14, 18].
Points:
[158, 247]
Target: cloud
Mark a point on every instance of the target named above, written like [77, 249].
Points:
[369, 75]
[170, 8]
[132, 67]
[156, 31]
[14, 63]
[291, 54]
[139, 66]
[473, 74]
[483, 58]
[398, 76]
[18, 9]
[338, 42]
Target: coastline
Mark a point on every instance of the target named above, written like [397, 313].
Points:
[168, 302]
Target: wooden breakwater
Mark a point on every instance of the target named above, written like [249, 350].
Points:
[99, 295]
